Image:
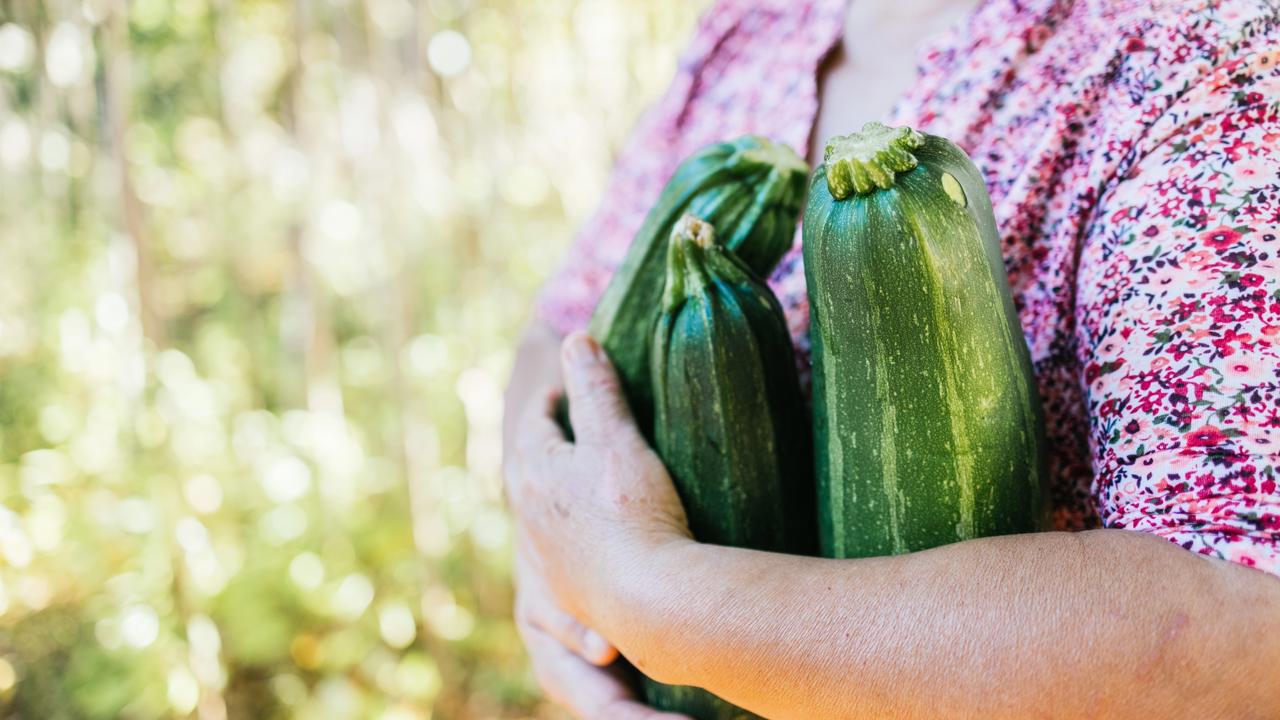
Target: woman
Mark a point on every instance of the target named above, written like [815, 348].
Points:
[1130, 152]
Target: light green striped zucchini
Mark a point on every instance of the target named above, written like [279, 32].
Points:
[928, 425]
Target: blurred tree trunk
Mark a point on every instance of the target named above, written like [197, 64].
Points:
[399, 65]
[308, 377]
[117, 87]
[298, 321]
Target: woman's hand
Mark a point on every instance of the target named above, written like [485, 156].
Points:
[576, 668]
[587, 512]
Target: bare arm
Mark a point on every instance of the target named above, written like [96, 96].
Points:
[1109, 623]
[1105, 624]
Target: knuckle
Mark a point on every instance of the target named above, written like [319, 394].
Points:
[578, 640]
[566, 630]
[602, 396]
[603, 384]
[599, 379]
[555, 623]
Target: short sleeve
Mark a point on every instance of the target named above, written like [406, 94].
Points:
[1178, 324]
[647, 161]
[750, 68]
[570, 295]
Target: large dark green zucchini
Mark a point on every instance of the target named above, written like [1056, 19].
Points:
[928, 425]
[752, 190]
[731, 423]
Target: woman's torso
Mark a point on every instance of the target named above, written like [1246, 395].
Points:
[1055, 100]
[874, 62]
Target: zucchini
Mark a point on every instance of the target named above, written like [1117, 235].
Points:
[731, 422]
[928, 426]
[752, 190]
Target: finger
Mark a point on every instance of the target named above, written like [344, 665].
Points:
[539, 441]
[537, 607]
[538, 433]
[633, 710]
[581, 640]
[597, 408]
[586, 691]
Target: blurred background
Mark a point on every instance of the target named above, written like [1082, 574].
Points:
[261, 267]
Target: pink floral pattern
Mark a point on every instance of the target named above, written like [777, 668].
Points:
[1132, 153]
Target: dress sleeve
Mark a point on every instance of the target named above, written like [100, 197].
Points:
[570, 294]
[647, 160]
[1178, 325]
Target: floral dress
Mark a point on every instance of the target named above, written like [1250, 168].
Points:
[1132, 153]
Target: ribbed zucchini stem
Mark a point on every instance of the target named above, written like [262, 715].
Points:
[864, 161]
[779, 157]
[691, 240]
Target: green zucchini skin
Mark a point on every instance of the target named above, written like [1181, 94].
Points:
[927, 422]
[752, 190]
[731, 422]
[693, 702]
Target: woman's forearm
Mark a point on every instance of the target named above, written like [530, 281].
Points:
[1104, 624]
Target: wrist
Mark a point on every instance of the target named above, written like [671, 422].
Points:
[651, 611]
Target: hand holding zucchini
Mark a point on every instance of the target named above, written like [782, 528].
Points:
[927, 426]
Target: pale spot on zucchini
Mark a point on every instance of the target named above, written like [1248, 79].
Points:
[952, 187]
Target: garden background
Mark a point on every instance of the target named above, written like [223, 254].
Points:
[262, 263]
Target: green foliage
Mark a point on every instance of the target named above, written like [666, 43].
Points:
[261, 268]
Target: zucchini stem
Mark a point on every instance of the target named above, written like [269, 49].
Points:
[691, 239]
[864, 161]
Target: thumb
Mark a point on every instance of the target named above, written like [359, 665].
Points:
[597, 408]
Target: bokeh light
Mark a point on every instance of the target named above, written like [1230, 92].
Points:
[262, 266]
